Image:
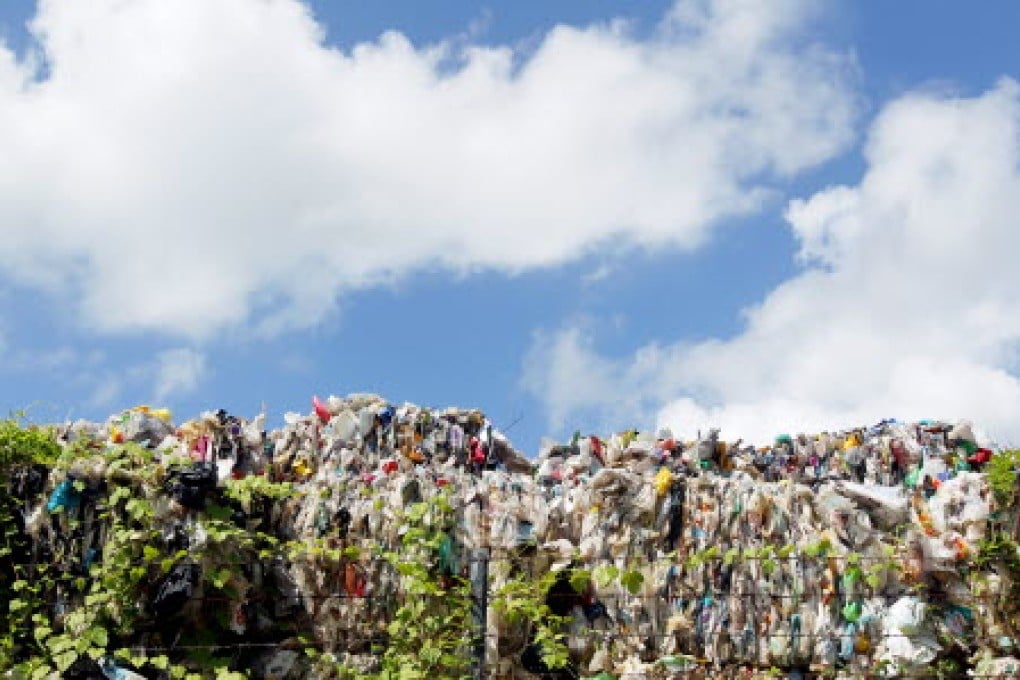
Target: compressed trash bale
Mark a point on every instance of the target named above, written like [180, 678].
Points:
[843, 548]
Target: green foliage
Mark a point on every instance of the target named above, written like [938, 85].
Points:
[999, 550]
[522, 600]
[1002, 472]
[818, 549]
[426, 633]
[256, 486]
[57, 611]
[998, 547]
[605, 574]
[23, 444]
[98, 608]
[632, 581]
[950, 668]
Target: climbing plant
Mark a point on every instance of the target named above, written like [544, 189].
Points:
[523, 600]
[428, 631]
[71, 604]
[25, 444]
[1003, 469]
[25, 453]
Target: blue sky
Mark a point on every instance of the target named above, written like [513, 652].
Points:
[765, 216]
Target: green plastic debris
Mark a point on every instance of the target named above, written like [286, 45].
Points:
[968, 446]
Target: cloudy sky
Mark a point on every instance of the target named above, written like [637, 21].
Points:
[766, 216]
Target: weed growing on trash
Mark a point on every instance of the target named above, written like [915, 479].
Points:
[1002, 476]
[522, 599]
[21, 447]
[426, 634]
[23, 444]
[110, 582]
[1001, 551]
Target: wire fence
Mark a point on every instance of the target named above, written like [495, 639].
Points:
[697, 596]
[381, 597]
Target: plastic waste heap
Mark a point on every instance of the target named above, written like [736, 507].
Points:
[882, 551]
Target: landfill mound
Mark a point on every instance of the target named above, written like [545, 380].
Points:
[884, 551]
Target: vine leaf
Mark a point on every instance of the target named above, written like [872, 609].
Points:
[632, 581]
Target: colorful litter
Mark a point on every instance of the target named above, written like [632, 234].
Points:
[885, 551]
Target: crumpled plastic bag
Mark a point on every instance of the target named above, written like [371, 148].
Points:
[906, 641]
[886, 505]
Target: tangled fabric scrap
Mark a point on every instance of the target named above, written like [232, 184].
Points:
[875, 551]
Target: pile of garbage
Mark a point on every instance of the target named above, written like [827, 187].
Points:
[856, 553]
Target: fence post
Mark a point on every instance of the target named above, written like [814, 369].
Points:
[479, 606]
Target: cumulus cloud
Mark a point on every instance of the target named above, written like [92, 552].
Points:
[192, 166]
[573, 380]
[177, 371]
[907, 305]
[16, 359]
[162, 377]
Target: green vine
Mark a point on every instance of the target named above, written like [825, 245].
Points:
[998, 549]
[71, 605]
[425, 637]
[22, 444]
[1002, 471]
[522, 600]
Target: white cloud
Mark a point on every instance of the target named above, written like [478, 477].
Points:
[197, 165]
[176, 371]
[165, 375]
[571, 377]
[106, 390]
[39, 359]
[600, 273]
[907, 306]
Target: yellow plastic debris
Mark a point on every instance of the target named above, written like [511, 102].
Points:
[301, 468]
[663, 480]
